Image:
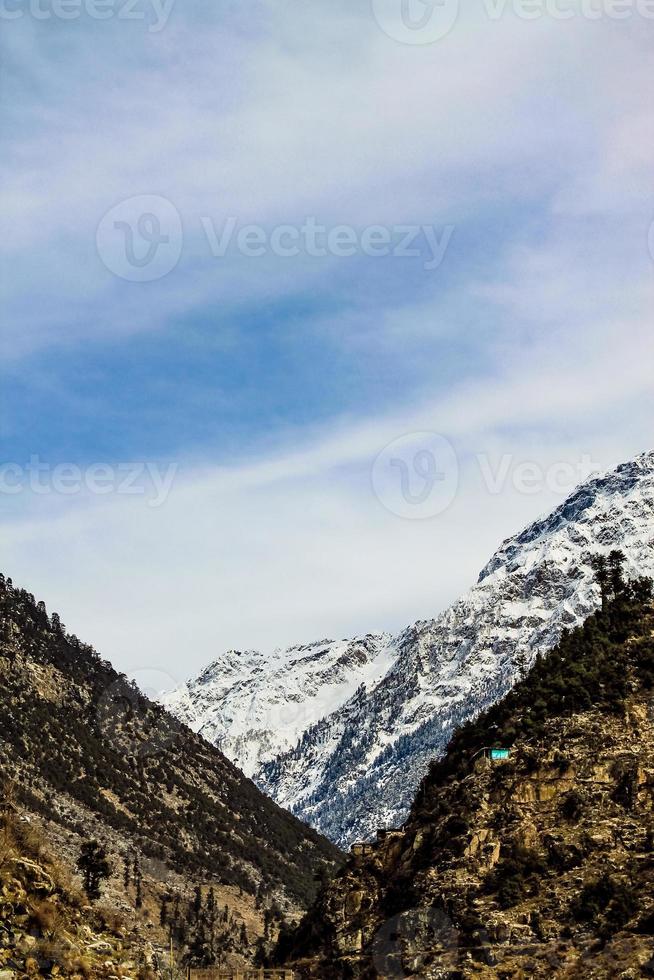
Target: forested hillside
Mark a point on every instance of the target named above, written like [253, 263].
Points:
[534, 859]
[90, 757]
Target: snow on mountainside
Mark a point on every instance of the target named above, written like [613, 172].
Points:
[356, 763]
[255, 707]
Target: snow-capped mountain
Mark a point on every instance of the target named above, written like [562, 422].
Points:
[255, 707]
[352, 755]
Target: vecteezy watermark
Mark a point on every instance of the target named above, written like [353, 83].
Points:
[141, 239]
[144, 479]
[570, 9]
[339, 241]
[417, 475]
[416, 21]
[528, 477]
[153, 12]
[427, 21]
[414, 941]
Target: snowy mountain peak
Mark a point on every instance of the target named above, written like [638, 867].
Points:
[256, 705]
[341, 732]
[586, 499]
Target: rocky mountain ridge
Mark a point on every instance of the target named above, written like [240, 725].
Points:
[255, 707]
[535, 860]
[356, 766]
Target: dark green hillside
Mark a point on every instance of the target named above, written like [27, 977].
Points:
[88, 750]
[592, 667]
[538, 864]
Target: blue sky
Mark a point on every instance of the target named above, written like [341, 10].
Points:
[272, 383]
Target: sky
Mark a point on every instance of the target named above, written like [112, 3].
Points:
[307, 307]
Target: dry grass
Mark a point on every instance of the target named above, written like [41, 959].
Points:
[28, 837]
[20, 839]
[64, 931]
[67, 883]
[7, 847]
[47, 916]
[79, 965]
[111, 920]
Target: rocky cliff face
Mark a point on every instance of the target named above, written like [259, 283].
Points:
[356, 764]
[540, 865]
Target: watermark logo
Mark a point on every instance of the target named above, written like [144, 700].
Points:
[141, 239]
[98, 479]
[563, 10]
[416, 21]
[153, 12]
[417, 475]
[528, 477]
[400, 944]
[127, 716]
[155, 868]
[316, 240]
[426, 21]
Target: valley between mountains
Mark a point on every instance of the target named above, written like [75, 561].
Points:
[133, 843]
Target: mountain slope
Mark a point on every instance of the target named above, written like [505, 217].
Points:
[358, 767]
[93, 757]
[254, 707]
[46, 925]
[450, 668]
[541, 865]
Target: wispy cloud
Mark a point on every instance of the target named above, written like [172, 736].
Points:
[287, 547]
[274, 382]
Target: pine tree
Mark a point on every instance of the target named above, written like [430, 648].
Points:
[616, 564]
[267, 922]
[196, 906]
[211, 915]
[94, 866]
[138, 880]
[600, 567]
[211, 905]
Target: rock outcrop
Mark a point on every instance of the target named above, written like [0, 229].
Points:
[540, 864]
[47, 927]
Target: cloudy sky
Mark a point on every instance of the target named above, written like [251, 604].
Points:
[308, 306]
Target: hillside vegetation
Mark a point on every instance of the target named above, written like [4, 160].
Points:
[541, 865]
[92, 758]
[47, 926]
